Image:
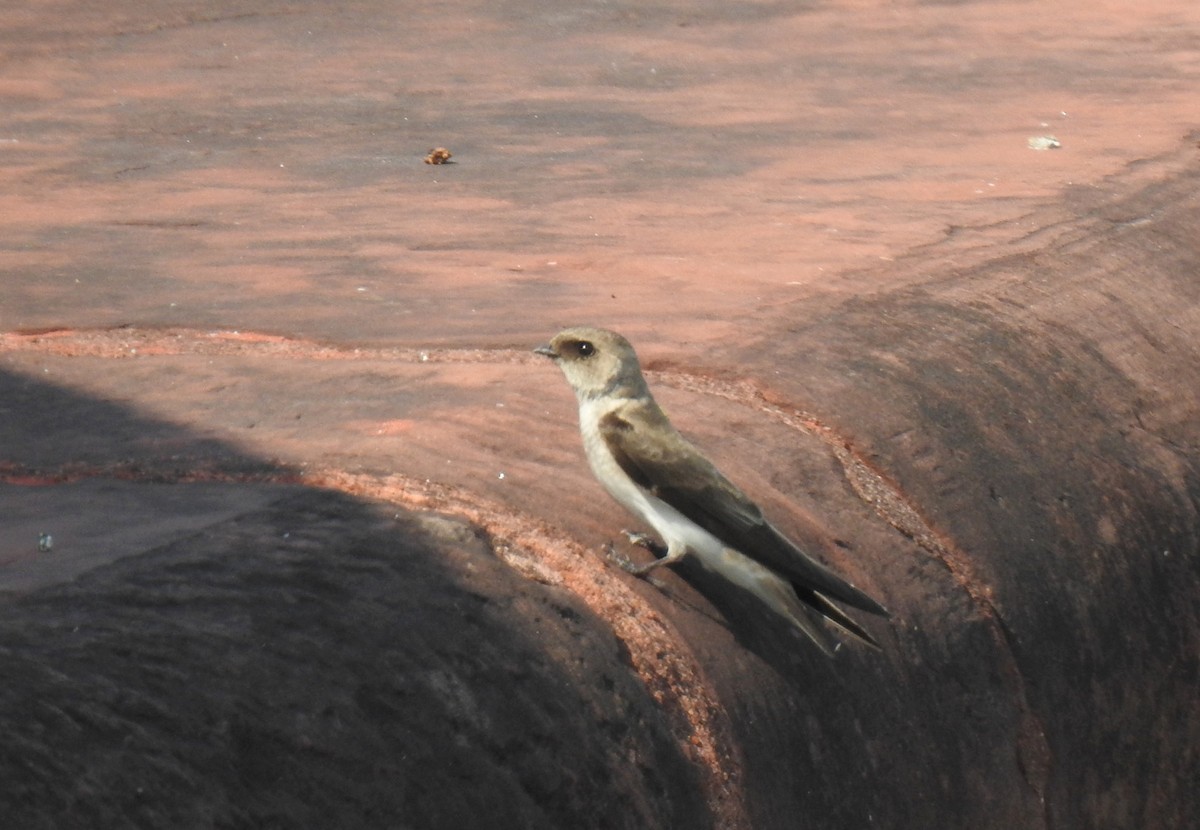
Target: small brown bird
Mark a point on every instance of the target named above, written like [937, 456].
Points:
[658, 476]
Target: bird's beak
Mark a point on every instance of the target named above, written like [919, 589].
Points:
[547, 351]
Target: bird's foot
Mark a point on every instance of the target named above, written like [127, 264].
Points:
[628, 565]
[619, 559]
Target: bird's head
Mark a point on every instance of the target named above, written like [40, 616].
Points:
[596, 362]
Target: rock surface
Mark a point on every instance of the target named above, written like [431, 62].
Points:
[324, 547]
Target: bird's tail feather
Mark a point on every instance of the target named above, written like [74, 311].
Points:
[797, 604]
[802, 569]
[835, 615]
[811, 629]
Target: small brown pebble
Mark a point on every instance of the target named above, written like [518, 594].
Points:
[438, 155]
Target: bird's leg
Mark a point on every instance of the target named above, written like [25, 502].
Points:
[664, 554]
[669, 559]
[644, 540]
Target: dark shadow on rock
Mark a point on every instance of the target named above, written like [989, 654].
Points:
[908, 735]
[310, 660]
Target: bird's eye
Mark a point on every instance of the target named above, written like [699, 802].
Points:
[585, 349]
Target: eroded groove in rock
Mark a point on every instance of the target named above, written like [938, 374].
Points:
[133, 342]
[893, 507]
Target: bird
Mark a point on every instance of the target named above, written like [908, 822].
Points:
[660, 477]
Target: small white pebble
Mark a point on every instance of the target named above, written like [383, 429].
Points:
[1044, 142]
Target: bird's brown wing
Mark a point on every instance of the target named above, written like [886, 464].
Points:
[658, 458]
